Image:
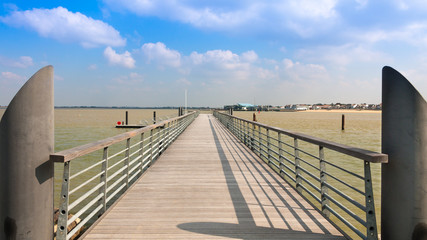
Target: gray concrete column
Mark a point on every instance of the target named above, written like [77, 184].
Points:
[404, 177]
[26, 174]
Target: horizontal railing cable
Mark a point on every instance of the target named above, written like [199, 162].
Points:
[97, 186]
[308, 171]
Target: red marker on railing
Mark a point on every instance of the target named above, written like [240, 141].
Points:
[118, 123]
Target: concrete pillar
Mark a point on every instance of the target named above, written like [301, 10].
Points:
[404, 177]
[26, 174]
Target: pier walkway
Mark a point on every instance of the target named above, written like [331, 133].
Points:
[208, 185]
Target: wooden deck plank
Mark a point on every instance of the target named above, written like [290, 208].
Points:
[207, 185]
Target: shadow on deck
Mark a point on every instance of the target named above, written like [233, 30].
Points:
[208, 185]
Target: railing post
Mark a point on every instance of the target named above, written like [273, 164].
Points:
[297, 166]
[248, 135]
[166, 140]
[103, 179]
[371, 221]
[236, 133]
[239, 131]
[279, 139]
[141, 152]
[62, 227]
[170, 131]
[245, 128]
[243, 132]
[161, 140]
[259, 142]
[236, 128]
[151, 146]
[268, 147]
[127, 162]
[253, 137]
[323, 180]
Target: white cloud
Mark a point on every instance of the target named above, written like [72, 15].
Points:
[10, 78]
[414, 33]
[57, 77]
[92, 67]
[132, 79]
[65, 26]
[309, 9]
[362, 3]
[160, 54]
[302, 16]
[344, 55]
[296, 71]
[183, 81]
[125, 59]
[23, 62]
[249, 56]
[405, 5]
[224, 59]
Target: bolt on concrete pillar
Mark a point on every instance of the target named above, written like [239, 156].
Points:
[404, 177]
[26, 174]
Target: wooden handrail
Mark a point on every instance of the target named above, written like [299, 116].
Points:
[72, 153]
[360, 153]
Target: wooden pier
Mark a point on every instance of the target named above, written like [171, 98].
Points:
[208, 185]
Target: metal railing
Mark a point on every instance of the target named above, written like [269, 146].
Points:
[100, 177]
[342, 195]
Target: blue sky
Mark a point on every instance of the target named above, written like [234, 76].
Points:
[147, 52]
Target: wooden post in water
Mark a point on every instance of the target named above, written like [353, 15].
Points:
[254, 119]
[404, 177]
[126, 118]
[26, 173]
[343, 122]
[154, 117]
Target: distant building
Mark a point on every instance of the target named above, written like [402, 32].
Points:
[241, 107]
[299, 107]
[245, 107]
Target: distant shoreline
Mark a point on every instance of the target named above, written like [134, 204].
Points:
[201, 108]
[346, 110]
[322, 111]
[100, 107]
